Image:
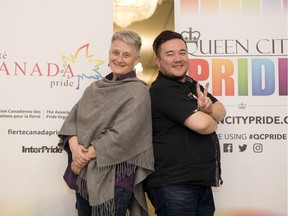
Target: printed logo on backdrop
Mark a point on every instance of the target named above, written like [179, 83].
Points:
[265, 59]
[229, 148]
[246, 66]
[217, 58]
[70, 73]
[252, 141]
[242, 148]
[91, 72]
[259, 62]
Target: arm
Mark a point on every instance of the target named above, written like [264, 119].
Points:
[216, 110]
[204, 121]
[201, 123]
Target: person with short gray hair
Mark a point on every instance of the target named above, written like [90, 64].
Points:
[108, 137]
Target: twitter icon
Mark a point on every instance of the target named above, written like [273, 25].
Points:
[242, 148]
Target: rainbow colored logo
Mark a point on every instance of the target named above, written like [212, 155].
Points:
[76, 58]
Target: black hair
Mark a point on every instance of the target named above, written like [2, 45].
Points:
[163, 37]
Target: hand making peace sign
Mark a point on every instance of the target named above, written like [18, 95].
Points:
[204, 103]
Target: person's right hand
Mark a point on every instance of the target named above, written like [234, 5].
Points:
[79, 152]
[204, 102]
[76, 169]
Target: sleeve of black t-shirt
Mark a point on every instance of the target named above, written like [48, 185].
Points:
[174, 102]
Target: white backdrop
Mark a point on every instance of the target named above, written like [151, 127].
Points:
[241, 48]
[49, 52]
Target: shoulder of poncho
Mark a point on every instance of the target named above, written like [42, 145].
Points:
[129, 83]
[136, 82]
[138, 87]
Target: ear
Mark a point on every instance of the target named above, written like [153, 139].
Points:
[157, 61]
[137, 59]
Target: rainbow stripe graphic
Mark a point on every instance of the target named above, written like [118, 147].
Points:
[232, 7]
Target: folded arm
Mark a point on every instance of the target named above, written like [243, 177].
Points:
[204, 119]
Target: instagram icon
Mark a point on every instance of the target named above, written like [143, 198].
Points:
[257, 147]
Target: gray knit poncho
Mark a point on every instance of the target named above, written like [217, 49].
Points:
[114, 117]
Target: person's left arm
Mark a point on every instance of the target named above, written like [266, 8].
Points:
[216, 110]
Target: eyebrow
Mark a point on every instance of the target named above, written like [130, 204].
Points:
[181, 50]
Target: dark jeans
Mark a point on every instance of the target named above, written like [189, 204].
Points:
[184, 200]
[122, 200]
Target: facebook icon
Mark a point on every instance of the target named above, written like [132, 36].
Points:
[228, 147]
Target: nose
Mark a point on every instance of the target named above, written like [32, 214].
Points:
[178, 57]
[120, 58]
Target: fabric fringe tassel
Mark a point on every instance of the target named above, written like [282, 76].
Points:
[105, 209]
[128, 167]
[82, 187]
[143, 159]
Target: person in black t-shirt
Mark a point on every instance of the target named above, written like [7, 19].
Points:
[186, 147]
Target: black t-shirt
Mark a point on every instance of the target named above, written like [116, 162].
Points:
[182, 156]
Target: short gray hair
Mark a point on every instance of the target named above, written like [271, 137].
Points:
[130, 37]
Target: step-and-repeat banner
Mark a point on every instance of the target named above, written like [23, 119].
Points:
[241, 48]
[49, 52]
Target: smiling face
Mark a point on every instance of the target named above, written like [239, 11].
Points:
[122, 58]
[173, 59]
